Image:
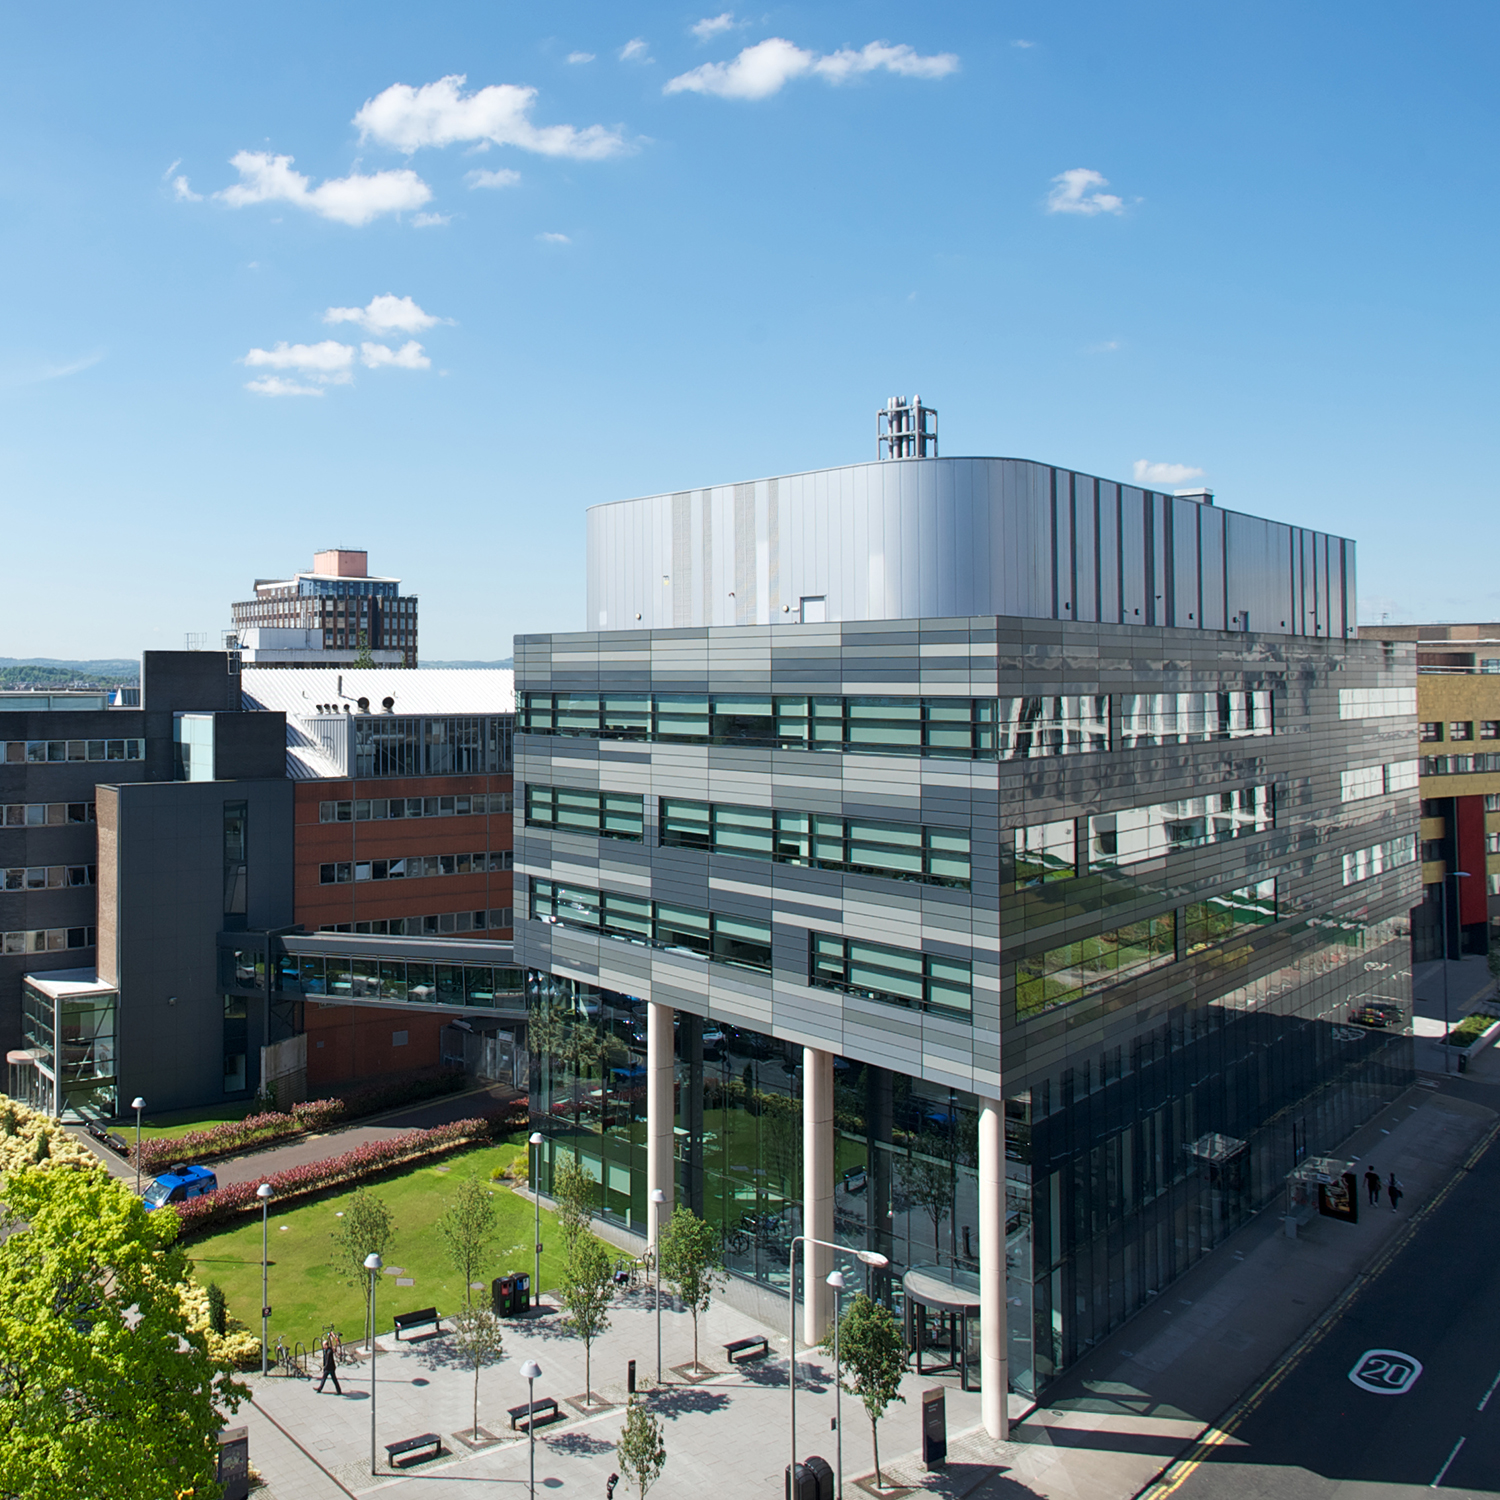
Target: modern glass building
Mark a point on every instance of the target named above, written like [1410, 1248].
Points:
[952, 857]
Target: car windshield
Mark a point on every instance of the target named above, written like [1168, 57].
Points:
[157, 1193]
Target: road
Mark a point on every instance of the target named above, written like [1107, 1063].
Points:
[1313, 1433]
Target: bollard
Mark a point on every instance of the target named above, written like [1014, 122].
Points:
[630, 1377]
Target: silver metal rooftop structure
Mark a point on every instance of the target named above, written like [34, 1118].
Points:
[906, 429]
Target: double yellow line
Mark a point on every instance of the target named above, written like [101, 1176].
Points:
[1180, 1470]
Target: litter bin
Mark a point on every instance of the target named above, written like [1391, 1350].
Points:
[822, 1473]
[801, 1483]
[502, 1295]
[520, 1302]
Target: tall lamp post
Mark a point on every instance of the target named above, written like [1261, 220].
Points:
[372, 1265]
[835, 1279]
[536, 1198]
[1454, 875]
[869, 1257]
[138, 1104]
[658, 1197]
[532, 1371]
[265, 1192]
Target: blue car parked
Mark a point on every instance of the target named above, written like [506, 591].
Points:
[178, 1185]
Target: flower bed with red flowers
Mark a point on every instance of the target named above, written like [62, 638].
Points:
[363, 1161]
[236, 1136]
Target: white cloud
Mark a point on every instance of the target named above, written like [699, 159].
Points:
[355, 199]
[637, 49]
[274, 385]
[504, 177]
[427, 221]
[1149, 473]
[177, 162]
[1023, 44]
[1108, 347]
[385, 315]
[548, 238]
[765, 68]
[408, 357]
[183, 192]
[437, 114]
[1070, 194]
[580, 57]
[711, 26]
[328, 363]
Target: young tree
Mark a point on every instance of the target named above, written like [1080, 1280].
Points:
[691, 1261]
[641, 1449]
[467, 1229]
[927, 1176]
[588, 1287]
[364, 658]
[872, 1357]
[104, 1387]
[367, 1226]
[478, 1337]
[573, 1192]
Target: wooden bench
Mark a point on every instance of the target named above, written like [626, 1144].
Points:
[543, 1409]
[428, 1440]
[750, 1348]
[403, 1321]
[107, 1137]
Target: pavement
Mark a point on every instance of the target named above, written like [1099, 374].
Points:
[1442, 995]
[1144, 1402]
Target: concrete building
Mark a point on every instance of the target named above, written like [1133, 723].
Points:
[329, 617]
[951, 859]
[1458, 732]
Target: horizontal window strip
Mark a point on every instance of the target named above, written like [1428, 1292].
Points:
[381, 809]
[716, 936]
[46, 814]
[1390, 854]
[610, 815]
[46, 939]
[1376, 703]
[1378, 781]
[1458, 765]
[1183, 718]
[960, 728]
[857, 846]
[47, 877]
[414, 867]
[1067, 973]
[893, 976]
[41, 752]
[1110, 841]
[440, 924]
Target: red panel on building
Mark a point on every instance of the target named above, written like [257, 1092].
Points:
[1473, 899]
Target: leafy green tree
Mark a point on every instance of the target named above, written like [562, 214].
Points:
[642, 1452]
[367, 1226]
[104, 1387]
[218, 1309]
[588, 1287]
[691, 1261]
[479, 1339]
[872, 1360]
[573, 1192]
[467, 1229]
[364, 659]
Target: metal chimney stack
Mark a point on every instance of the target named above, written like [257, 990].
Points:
[906, 429]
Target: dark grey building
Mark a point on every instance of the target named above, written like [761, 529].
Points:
[954, 863]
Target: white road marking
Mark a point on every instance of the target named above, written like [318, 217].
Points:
[1385, 1372]
[1488, 1393]
[1436, 1482]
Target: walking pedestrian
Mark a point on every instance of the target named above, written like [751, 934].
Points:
[1372, 1186]
[1393, 1192]
[331, 1368]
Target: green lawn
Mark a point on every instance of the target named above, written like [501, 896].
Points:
[307, 1291]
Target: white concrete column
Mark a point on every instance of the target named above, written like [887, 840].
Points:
[660, 1114]
[817, 1190]
[994, 1373]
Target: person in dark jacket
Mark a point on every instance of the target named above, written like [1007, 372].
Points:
[331, 1371]
[1393, 1192]
[1372, 1186]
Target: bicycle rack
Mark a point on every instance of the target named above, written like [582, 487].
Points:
[299, 1358]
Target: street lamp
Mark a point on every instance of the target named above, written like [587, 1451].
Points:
[835, 1279]
[869, 1257]
[532, 1371]
[658, 1197]
[138, 1104]
[536, 1198]
[372, 1265]
[265, 1192]
[1456, 875]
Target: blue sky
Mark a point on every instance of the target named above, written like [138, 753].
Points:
[632, 252]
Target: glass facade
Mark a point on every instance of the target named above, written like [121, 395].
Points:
[392, 745]
[71, 1039]
[369, 977]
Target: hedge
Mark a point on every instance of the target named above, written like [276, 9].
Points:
[235, 1136]
[362, 1161]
